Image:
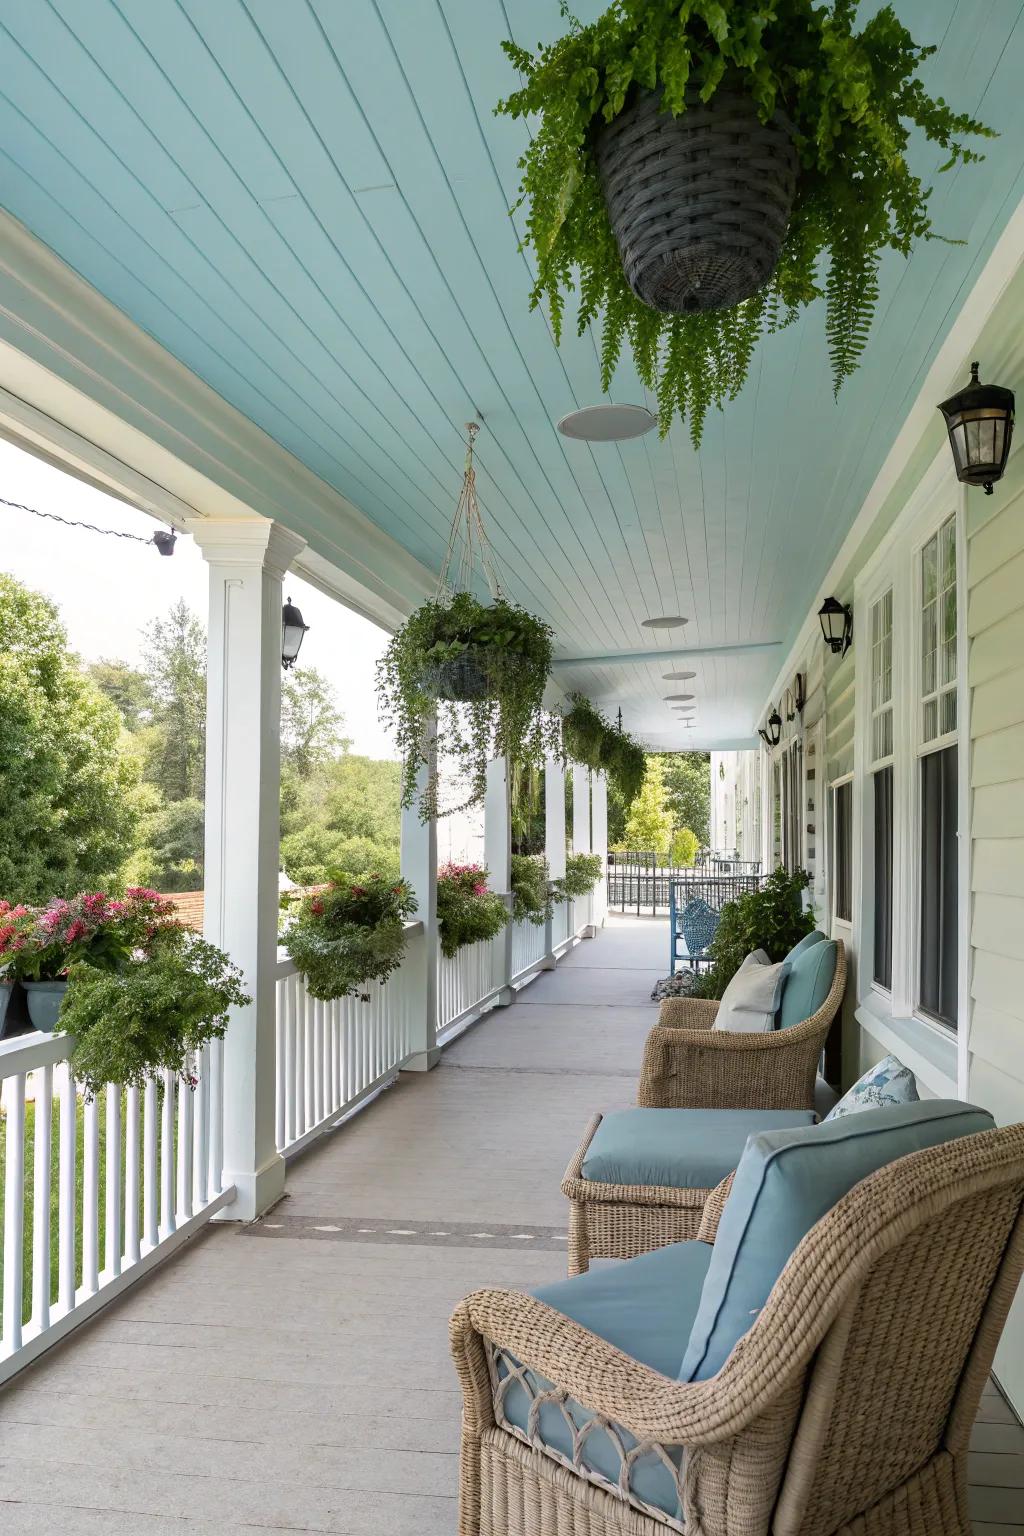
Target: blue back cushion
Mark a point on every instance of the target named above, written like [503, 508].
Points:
[809, 981]
[817, 937]
[786, 1181]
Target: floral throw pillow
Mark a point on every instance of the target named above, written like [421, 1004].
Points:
[887, 1084]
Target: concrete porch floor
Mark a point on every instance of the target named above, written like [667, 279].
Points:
[294, 1375]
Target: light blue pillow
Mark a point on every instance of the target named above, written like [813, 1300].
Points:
[887, 1084]
[785, 1182]
[809, 939]
[809, 981]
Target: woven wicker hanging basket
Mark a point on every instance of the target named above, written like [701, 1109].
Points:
[700, 202]
[463, 679]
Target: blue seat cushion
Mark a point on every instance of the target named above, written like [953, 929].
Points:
[785, 1182]
[644, 1307]
[680, 1148]
[808, 981]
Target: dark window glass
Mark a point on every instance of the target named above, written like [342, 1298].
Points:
[883, 877]
[938, 989]
[843, 810]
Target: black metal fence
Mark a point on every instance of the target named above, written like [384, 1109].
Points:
[641, 882]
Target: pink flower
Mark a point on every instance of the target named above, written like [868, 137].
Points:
[77, 930]
[479, 890]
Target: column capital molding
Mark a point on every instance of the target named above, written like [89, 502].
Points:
[247, 541]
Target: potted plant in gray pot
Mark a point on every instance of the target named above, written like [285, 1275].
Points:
[17, 923]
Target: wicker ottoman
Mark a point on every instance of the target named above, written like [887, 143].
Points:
[618, 1218]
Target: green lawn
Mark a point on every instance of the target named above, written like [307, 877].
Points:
[30, 1130]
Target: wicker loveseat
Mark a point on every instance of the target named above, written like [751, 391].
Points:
[696, 1071]
[844, 1409]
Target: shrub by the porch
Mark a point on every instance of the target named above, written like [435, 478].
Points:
[772, 918]
[467, 912]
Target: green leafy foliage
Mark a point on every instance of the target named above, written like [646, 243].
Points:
[649, 823]
[684, 847]
[513, 647]
[772, 918]
[153, 1013]
[688, 792]
[345, 815]
[852, 97]
[467, 912]
[175, 669]
[531, 897]
[68, 809]
[582, 872]
[588, 738]
[350, 933]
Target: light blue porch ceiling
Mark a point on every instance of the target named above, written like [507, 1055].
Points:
[306, 203]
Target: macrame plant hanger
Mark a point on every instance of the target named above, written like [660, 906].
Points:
[468, 544]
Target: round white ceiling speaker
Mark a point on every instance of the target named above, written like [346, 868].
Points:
[607, 423]
[678, 677]
[678, 698]
[669, 621]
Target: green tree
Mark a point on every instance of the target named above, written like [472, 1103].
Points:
[311, 723]
[684, 848]
[170, 855]
[345, 815]
[68, 803]
[649, 822]
[127, 688]
[175, 667]
[688, 791]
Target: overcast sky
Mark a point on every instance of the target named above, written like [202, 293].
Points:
[108, 589]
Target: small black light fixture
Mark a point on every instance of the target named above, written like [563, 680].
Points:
[979, 420]
[293, 629]
[799, 693]
[789, 707]
[836, 620]
[774, 728]
[763, 735]
[165, 540]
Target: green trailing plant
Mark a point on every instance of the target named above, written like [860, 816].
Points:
[531, 894]
[350, 933]
[511, 648]
[852, 96]
[588, 738]
[772, 918]
[582, 872]
[154, 1013]
[467, 912]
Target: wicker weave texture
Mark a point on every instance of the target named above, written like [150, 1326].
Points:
[689, 1065]
[699, 203]
[856, 1384]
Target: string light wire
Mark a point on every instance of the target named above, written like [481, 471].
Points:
[70, 522]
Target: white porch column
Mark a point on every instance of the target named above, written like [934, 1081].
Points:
[419, 867]
[247, 560]
[580, 808]
[554, 846]
[498, 858]
[599, 838]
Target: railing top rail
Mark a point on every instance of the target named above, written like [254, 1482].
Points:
[26, 1053]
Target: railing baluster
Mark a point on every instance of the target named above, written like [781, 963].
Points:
[216, 1114]
[150, 1176]
[42, 1086]
[67, 1200]
[200, 1132]
[186, 1108]
[14, 1210]
[132, 1241]
[167, 1158]
[112, 1256]
[90, 1195]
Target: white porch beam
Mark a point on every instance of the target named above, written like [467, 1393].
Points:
[419, 868]
[498, 858]
[247, 560]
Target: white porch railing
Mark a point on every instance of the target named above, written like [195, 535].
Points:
[529, 949]
[150, 1164]
[465, 983]
[332, 1056]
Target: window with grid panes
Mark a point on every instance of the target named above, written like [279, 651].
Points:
[938, 779]
[882, 784]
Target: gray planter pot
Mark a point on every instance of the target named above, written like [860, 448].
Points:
[699, 203]
[44, 1000]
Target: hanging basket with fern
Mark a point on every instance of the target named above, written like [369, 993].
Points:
[588, 738]
[463, 680]
[701, 171]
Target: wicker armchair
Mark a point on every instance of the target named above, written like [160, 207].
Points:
[845, 1410]
[689, 1065]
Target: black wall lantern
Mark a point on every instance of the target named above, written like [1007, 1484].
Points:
[979, 420]
[800, 696]
[165, 540]
[763, 735]
[774, 728]
[836, 620]
[293, 630]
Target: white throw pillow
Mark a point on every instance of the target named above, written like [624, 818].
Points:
[750, 1001]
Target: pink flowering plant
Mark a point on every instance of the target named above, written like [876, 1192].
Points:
[467, 912]
[92, 927]
[16, 927]
[349, 933]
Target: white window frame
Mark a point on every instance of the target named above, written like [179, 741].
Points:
[834, 918]
[894, 1017]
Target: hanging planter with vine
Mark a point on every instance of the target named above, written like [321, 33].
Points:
[463, 678]
[588, 739]
[702, 171]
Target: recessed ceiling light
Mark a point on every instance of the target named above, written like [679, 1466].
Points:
[670, 621]
[678, 677]
[607, 423]
[678, 698]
